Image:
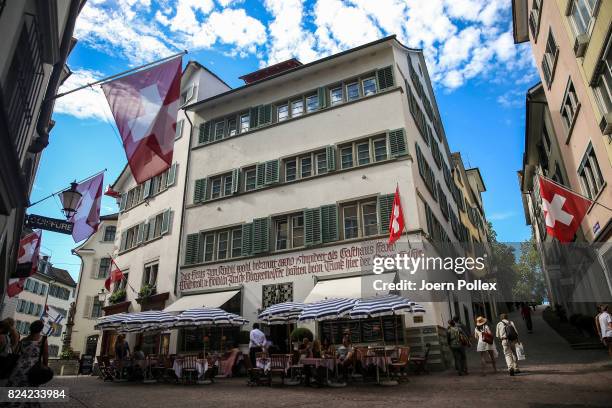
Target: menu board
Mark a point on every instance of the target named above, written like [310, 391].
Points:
[86, 364]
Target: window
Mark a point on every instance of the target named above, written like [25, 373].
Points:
[305, 166]
[219, 128]
[290, 170]
[549, 60]
[236, 243]
[590, 175]
[104, 269]
[132, 237]
[321, 163]
[232, 127]
[59, 292]
[282, 112]
[352, 91]
[281, 234]
[534, 18]
[603, 87]
[109, 233]
[209, 247]
[227, 185]
[336, 96]
[351, 227]
[289, 231]
[297, 108]
[222, 245]
[216, 188]
[96, 308]
[363, 153]
[582, 13]
[369, 86]
[244, 122]
[346, 156]
[297, 231]
[250, 179]
[312, 103]
[570, 106]
[380, 149]
[370, 219]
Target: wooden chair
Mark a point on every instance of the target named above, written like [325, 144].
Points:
[420, 363]
[189, 372]
[279, 364]
[257, 376]
[398, 367]
[106, 371]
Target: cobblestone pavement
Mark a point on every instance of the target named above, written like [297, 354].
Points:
[553, 376]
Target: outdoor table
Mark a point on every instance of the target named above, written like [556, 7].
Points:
[201, 367]
[328, 363]
[380, 360]
[263, 363]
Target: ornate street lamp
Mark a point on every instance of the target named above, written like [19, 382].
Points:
[70, 199]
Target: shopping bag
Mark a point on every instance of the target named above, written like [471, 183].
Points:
[520, 352]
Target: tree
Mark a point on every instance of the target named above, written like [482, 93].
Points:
[529, 284]
[503, 263]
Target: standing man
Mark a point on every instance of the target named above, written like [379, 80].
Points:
[506, 331]
[526, 313]
[257, 341]
[457, 342]
[605, 325]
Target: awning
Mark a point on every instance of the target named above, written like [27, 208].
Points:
[213, 299]
[355, 287]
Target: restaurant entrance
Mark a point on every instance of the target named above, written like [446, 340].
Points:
[278, 334]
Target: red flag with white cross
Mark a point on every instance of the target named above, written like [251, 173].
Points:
[144, 106]
[563, 210]
[27, 262]
[115, 276]
[396, 223]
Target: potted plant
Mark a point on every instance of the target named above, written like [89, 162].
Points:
[117, 296]
[146, 291]
[299, 334]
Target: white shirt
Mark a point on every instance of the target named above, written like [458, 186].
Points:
[257, 338]
[604, 324]
[500, 331]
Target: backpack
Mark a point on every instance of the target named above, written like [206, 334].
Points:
[510, 332]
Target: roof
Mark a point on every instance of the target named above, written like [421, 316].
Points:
[198, 65]
[520, 17]
[109, 217]
[476, 171]
[60, 275]
[298, 68]
[271, 70]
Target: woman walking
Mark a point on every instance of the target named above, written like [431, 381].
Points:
[486, 346]
[29, 350]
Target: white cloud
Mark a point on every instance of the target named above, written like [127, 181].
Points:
[500, 216]
[88, 103]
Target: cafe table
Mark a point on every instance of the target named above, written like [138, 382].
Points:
[201, 368]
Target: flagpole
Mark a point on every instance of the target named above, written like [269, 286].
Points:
[574, 192]
[64, 189]
[115, 76]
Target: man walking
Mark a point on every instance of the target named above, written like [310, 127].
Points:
[506, 331]
[457, 341]
[257, 341]
[605, 326]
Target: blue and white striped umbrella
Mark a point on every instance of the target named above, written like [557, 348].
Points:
[384, 306]
[149, 320]
[327, 309]
[110, 322]
[282, 313]
[207, 316]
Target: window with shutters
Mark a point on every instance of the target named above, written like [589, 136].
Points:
[232, 126]
[250, 178]
[282, 112]
[570, 107]
[219, 130]
[363, 153]
[335, 96]
[215, 187]
[122, 284]
[368, 86]
[236, 243]
[132, 237]
[426, 172]
[359, 219]
[297, 108]
[305, 166]
[582, 15]
[591, 179]
[290, 169]
[380, 149]
[149, 277]
[321, 162]
[346, 157]
[312, 103]
[104, 268]
[214, 245]
[289, 231]
[109, 233]
[149, 188]
[603, 86]
[352, 91]
[96, 308]
[179, 129]
[245, 120]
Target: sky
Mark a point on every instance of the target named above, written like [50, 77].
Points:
[480, 78]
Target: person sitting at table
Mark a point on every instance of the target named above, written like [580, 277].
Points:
[346, 354]
[327, 349]
[316, 349]
[138, 353]
[228, 361]
[305, 348]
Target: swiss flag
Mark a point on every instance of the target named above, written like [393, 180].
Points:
[144, 106]
[115, 276]
[27, 262]
[563, 210]
[396, 223]
[87, 216]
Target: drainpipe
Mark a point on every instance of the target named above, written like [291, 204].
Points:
[183, 208]
[43, 126]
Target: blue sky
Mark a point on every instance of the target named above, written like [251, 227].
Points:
[480, 78]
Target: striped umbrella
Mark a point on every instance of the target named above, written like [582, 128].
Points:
[282, 313]
[327, 309]
[110, 322]
[386, 305]
[207, 316]
[149, 320]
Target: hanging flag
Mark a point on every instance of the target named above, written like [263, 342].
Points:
[563, 210]
[87, 216]
[396, 223]
[112, 193]
[27, 262]
[52, 320]
[115, 276]
[145, 105]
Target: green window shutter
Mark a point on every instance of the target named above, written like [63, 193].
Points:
[191, 249]
[312, 226]
[253, 117]
[265, 114]
[261, 235]
[272, 171]
[329, 223]
[140, 234]
[397, 142]
[171, 175]
[247, 239]
[385, 205]
[165, 226]
[235, 181]
[146, 231]
[322, 95]
[151, 229]
[123, 202]
[146, 189]
[199, 192]
[123, 241]
[260, 175]
[330, 153]
[385, 77]
[204, 136]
